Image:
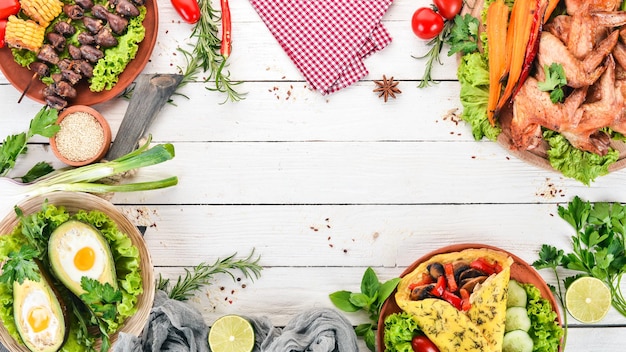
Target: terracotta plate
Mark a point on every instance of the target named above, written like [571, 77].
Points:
[520, 271]
[20, 76]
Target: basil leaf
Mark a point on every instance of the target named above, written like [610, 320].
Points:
[341, 299]
[369, 283]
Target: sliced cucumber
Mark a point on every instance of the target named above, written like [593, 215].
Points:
[517, 341]
[517, 295]
[517, 319]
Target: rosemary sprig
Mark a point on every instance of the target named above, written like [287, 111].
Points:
[205, 56]
[436, 45]
[202, 274]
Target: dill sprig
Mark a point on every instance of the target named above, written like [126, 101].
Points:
[205, 55]
[202, 274]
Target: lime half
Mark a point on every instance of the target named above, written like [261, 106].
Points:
[588, 299]
[231, 333]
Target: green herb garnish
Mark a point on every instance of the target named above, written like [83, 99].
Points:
[43, 124]
[463, 36]
[371, 298]
[598, 246]
[20, 266]
[201, 275]
[554, 83]
[205, 56]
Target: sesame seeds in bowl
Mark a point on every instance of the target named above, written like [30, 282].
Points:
[84, 136]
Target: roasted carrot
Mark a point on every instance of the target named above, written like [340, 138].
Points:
[497, 19]
[533, 45]
[521, 23]
[549, 9]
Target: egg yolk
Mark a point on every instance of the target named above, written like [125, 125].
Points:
[38, 319]
[84, 258]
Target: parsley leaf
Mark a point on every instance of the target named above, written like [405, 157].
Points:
[20, 266]
[463, 36]
[554, 83]
[102, 301]
[44, 124]
[101, 298]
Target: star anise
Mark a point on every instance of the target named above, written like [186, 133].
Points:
[387, 88]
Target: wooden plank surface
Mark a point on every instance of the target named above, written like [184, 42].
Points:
[323, 187]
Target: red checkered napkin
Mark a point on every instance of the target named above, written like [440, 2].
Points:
[327, 39]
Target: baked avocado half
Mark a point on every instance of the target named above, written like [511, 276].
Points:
[76, 250]
[39, 315]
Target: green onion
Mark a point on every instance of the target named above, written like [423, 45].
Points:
[82, 179]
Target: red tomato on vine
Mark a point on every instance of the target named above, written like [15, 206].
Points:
[448, 9]
[426, 23]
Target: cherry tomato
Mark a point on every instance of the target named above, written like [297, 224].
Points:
[187, 9]
[421, 343]
[448, 8]
[426, 23]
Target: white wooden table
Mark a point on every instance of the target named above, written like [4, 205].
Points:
[325, 186]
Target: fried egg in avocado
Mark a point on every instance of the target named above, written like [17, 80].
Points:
[76, 250]
[39, 315]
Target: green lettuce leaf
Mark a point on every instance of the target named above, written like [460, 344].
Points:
[544, 330]
[577, 164]
[400, 329]
[24, 57]
[473, 76]
[108, 69]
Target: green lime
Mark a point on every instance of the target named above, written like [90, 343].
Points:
[231, 333]
[588, 299]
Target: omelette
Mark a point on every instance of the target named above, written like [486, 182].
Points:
[459, 323]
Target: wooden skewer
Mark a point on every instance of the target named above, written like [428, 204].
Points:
[32, 79]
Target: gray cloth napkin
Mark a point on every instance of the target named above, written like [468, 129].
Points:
[177, 327]
[172, 326]
[315, 330]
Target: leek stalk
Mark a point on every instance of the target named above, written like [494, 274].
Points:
[82, 179]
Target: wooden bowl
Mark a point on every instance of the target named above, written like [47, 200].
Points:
[520, 271]
[73, 202]
[106, 143]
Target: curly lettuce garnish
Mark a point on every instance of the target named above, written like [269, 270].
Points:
[575, 163]
[108, 69]
[544, 330]
[473, 75]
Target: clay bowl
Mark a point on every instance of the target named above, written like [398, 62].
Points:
[20, 77]
[520, 271]
[73, 202]
[104, 146]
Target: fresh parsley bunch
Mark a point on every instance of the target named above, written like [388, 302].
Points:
[598, 246]
[43, 124]
[371, 298]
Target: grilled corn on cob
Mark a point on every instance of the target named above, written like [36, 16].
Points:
[42, 11]
[24, 34]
